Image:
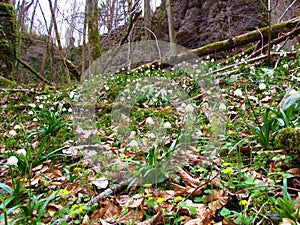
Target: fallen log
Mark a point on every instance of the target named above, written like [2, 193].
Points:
[276, 30]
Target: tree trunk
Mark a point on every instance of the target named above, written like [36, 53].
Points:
[94, 46]
[171, 28]
[7, 39]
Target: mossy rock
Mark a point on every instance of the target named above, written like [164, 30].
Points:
[289, 139]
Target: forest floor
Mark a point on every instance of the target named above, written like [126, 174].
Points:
[156, 147]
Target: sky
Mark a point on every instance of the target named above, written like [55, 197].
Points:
[64, 12]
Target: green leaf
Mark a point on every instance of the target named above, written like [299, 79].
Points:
[6, 188]
[293, 98]
[225, 212]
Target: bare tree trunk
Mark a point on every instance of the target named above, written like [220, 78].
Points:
[147, 18]
[84, 55]
[94, 46]
[32, 16]
[61, 51]
[171, 28]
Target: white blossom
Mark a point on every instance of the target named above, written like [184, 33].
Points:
[30, 113]
[70, 110]
[149, 120]
[262, 86]
[21, 152]
[133, 143]
[17, 127]
[167, 125]
[41, 106]
[12, 133]
[222, 107]
[238, 92]
[12, 161]
[189, 108]
[152, 136]
[32, 105]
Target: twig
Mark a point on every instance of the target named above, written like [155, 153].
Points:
[96, 199]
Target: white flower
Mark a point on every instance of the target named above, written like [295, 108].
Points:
[12, 161]
[72, 94]
[189, 108]
[262, 86]
[222, 107]
[34, 119]
[133, 144]
[167, 125]
[64, 109]
[106, 88]
[41, 106]
[30, 113]
[12, 133]
[17, 127]
[32, 105]
[238, 92]
[149, 120]
[70, 110]
[285, 66]
[152, 136]
[21, 152]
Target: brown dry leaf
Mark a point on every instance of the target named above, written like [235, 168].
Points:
[98, 214]
[103, 222]
[219, 203]
[187, 179]
[178, 190]
[86, 220]
[111, 210]
[287, 221]
[133, 216]
[156, 219]
[215, 195]
[53, 208]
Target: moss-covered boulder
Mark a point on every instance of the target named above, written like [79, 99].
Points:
[7, 39]
[289, 139]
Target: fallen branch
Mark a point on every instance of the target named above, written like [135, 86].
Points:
[117, 188]
[32, 70]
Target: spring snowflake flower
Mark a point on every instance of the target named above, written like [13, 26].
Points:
[12, 161]
[222, 107]
[12, 133]
[149, 120]
[21, 152]
[17, 127]
[167, 125]
[34, 119]
[152, 136]
[238, 92]
[262, 86]
[41, 106]
[30, 113]
[133, 144]
[32, 105]
[189, 108]
[72, 94]
[70, 110]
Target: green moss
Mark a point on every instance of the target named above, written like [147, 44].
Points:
[7, 39]
[289, 139]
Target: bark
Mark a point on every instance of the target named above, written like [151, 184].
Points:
[68, 64]
[147, 18]
[94, 46]
[171, 28]
[247, 38]
[238, 41]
